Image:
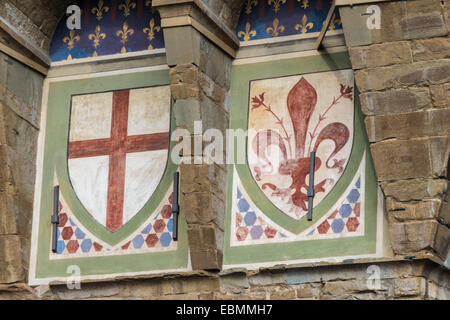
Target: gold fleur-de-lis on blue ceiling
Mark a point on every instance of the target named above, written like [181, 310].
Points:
[276, 4]
[99, 10]
[334, 22]
[249, 4]
[305, 25]
[127, 6]
[276, 29]
[305, 4]
[96, 37]
[123, 34]
[151, 32]
[248, 33]
[71, 39]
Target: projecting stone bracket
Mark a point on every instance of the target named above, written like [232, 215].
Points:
[193, 13]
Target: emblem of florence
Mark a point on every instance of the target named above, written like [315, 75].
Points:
[320, 109]
[118, 150]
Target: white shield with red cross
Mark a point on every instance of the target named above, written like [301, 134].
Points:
[118, 149]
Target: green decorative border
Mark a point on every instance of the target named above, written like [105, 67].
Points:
[55, 159]
[242, 75]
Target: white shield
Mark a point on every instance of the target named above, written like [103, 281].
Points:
[118, 149]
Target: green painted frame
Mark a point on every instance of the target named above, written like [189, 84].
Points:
[242, 75]
[55, 160]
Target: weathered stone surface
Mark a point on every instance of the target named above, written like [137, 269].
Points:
[444, 214]
[423, 19]
[400, 20]
[395, 101]
[17, 291]
[300, 276]
[234, 280]
[183, 296]
[166, 287]
[396, 160]
[206, 259]
[212, 90]
[437, 292]
[440, 95]
[186, 112]
[213, 116]
[8, 223]
[413, 211]
[195, 178]
[430, 72]
[266, 278]
[11, 269]
[215, 63]
[184, 81]
[201, 237]
[415, 189]
[409, 125]
[197, 207]
[241, 295]
[439, 154]
[346, 289]
[88, 290]
[410, 237]
[379, 55]
[282, 293]
[23, 110]
[308, 291]
[431, 49]
[24, 83]
[409, 287]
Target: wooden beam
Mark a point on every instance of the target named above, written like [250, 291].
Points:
[326, 25]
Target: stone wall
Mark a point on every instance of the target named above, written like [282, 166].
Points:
[403, 75]
[200, 83]
[35, 20]
[20, 102]
[418, 279]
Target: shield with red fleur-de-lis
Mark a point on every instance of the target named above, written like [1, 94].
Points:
[290, 117]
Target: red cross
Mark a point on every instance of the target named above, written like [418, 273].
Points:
[117, 148]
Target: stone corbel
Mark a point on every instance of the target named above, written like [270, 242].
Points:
[179, 13]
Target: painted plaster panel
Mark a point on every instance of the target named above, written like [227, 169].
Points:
[138, 245]
[293, 105]
[136, 150]
[289, 118]
[75, 241]
[251, 226]
[91, 116]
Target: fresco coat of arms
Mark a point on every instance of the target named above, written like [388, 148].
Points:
[288, 118]
[118, 150]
